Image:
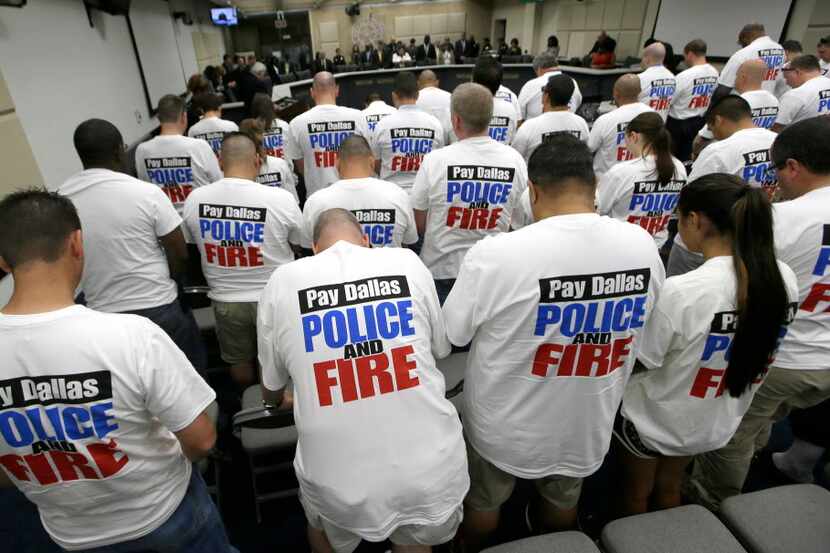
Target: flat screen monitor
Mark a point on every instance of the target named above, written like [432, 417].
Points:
[224, 16]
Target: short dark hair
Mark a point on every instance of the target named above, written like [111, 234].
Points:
[824, 41]
[98, 142]
[372, 97]
[209, 102]
[354, 146]
[792, 46]
[553, 41]
[806, 142]
[562, 157]
[488, 72]
[34, 226]
[559, 89]
[170, 108]
[731, 107]
[696, 47]
[406, 85]
[805, 62]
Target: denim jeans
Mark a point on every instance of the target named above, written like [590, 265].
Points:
[181, 326]
[195, 527]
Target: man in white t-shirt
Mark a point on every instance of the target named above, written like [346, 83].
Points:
[211, 127]
[376, 109]
[545, 65]
[810, 94]
[243, 231]
[800, 375]
[102, 415]
[823, 54]
[434, 100]
[401, 140]
[133, 240]
[692, 95]
[467, 190]
[756, 44]
[534, 322]
[488, 72]
[657, 84]
[177, 164]
[607, 137]
[383, 209]
[555, 119]
[792, 49]
[316, 135]
[504, 93]
[380, 454]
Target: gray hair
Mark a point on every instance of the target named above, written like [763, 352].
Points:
[474, 105]
[259, 68]
[547, 59]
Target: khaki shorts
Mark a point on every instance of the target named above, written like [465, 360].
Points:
[236, 330]
[344, 541]
[490, 486]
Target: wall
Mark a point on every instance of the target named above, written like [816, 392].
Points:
[809, 21]
[202, 43]
[19, 166]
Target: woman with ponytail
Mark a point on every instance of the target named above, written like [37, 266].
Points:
[644, 190]
[708, 342]
[274, 171]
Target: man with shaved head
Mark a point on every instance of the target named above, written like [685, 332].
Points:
[315, 136]
[434, 100]
[545, 65]
[243, 231]
[357, 330]
[756, 45]
[607, 138]
[657, 84]
[467, 190]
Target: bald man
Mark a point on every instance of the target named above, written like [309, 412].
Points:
[243, 231]
[380, 452]
[756, 45]
[467, 190]
[607, 138]
[315, 136]
[657, 84]
[433, 100]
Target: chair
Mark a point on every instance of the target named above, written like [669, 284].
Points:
[687, 529]
[560, 542]
[453, 368]
[213, 460]
[787, 518]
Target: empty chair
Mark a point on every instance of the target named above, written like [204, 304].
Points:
[688, 529]
[781, 520]
[560, 542]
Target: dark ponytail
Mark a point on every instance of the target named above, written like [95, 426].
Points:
[658, 140]
[744, 214]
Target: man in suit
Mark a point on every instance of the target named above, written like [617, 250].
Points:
[461, 46]
[338, 58]
[370, 56]
[426, 50]
[323, 63]
[473, 48]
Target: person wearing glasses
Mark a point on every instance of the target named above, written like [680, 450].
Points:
[823, 53]
[810, 94]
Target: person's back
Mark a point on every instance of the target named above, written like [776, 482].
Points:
[375, 111]
[810, 96]
[211, 127]
[530, 96]
[764, 106]
[489, 73]
[276, 172]
[504, 123]
[434, 100]
[756, 44]
[657, 84]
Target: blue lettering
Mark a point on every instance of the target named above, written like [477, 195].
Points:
[14, 429]
[101, 419]
[73, 422]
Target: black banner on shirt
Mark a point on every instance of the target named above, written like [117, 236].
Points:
[593, 287]
[352, 293]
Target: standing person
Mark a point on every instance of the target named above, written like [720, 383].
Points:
[504, 49]
[515, 49]
[555, 120]
[276, 132]
[692, 96]
[211, 127]
[708, 343]
[434, 100]
[401, 56]
[467, 190]
[810, 94]
[553, 42]
[607, 137]
[792, 49]
[447, 56]
[403, 491]
[504, 93]
[375, 110]
[644, 190]
[124, 417]
[315, 136]
[338, 58]
[461, 46]
[426, 51]
[176, 163]
[274, 171]
[133, 243]
[488, 72]
[530, 96]
[383, 209]
[799, 376]
[755, 44]
[252, 82]
[243, 231]
[823, 54]
[530, 363]
[401, 140]
[657, 84]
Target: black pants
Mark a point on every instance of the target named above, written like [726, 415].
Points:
[683, 132]
[812, 424]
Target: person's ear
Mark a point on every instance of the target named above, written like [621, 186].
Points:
[5, 266]
[532, 193]
[76, 244]
[315, 249]
[365, 241]
[221, 162]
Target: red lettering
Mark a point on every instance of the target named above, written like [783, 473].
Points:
[708, 378]
[652, 224]
[325, 159]
[373, 367]
[591, 355]
[408, 164]
[473, 219]
[403, 367]
[820, 292]
[324, 381]
[233, 256]
[345, 371]
[72, 466]
[623, 154]
[104, 456]
[699, 102]
[544, 358]
[581, 359]
[15, 466]
[40, 467]
[620, 351]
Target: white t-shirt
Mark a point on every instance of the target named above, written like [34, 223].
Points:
[825, 66]
[315, 137]
[274, 139]
[382, 448]
[177, 164]
[401, 141]
[681, 407]
[781, 86]
[376, 111]
[530, 96]
[125, 268]
[630, 191]
[436, 102]
[504, 122]
[542, 128]
[275, 171]
[212, 130]
[744, 154]
[540, 394]
[607, 138]
[812, 99]
[504, 93]
[470, 189]
[694, 89]
[802, 241]
[764, 106]
[383, 209]
[110, 390]
[657, 87]
[763, 47]
[243, 232]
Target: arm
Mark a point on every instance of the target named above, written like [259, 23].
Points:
[299, 166]
[421, 221]
[197, 438]
[175, 250]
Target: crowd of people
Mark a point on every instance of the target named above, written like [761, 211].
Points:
[603, 291]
